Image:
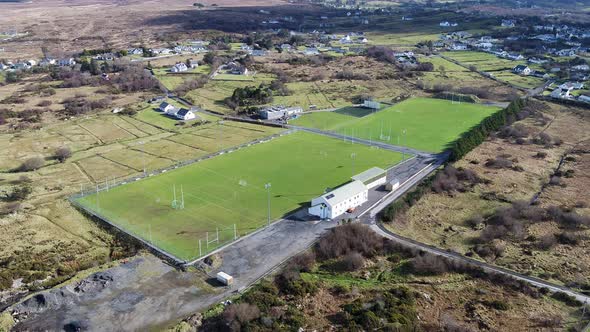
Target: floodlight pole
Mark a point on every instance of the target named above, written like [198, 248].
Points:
[267, 187]
[405, 141]
[235, 233]
[181, 198]
[200, 251]
[353, 157]
[97, 199]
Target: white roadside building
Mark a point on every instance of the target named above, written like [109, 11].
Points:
[373, 177]
[340, 200]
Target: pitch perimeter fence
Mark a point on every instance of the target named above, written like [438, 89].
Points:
[204, 245]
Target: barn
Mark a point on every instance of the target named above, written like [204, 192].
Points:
[340, 200]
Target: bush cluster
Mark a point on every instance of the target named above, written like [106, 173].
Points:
[453, 179]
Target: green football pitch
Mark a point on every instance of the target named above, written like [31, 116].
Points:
[229, 190]
[429, 124]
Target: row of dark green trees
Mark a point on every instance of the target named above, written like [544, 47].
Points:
[476, 135]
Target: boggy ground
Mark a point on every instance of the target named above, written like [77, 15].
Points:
[545, 241]
[355, 280]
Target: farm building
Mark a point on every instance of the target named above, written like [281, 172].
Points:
[278, 112]
[336, 202]
[373, 177]
[184, 114]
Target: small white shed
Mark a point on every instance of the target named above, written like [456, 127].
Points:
[225, 278]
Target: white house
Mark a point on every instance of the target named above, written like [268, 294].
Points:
[166, 108]
[184, 114]
[47, 62]
[566, 52]
[508, 23]
[448, 24]
[581, 67]
[340, 200]
[179, 67]
[311, 51]
[458, 47]
[278, 112]
[584, 98]
[521, 70]
[66, 62]
[561, 93]
[484, 45]
[135, 51]
[373, 177]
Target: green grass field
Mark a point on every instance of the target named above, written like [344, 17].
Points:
[430, 124]
[229, 189]
[500, 68]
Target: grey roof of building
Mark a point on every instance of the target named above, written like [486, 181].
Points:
[370, 175]
[182, 112]
[344, 192]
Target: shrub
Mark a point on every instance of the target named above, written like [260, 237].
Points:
[547, 242]
[498, 305]
[290, 282]
[490, 250]
[349, 238]
[474, 221]
[350, 75]
[353, 261]
[19, 193]
[567, 299]
[568, 238]
[303, 262]
[452, 179]
[241, 313]
[542, 139]
[44, 103]
[31, 164]
[541, 155]
[10, 207]
[498, 163]
[63, 153]
[428, 264]
[549, 321]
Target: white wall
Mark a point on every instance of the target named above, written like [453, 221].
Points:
[377, 183]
